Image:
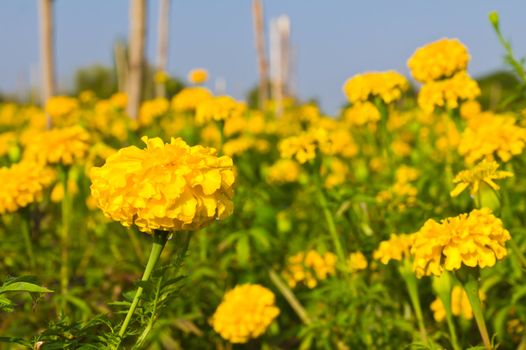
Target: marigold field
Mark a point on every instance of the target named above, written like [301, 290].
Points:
[210, 223]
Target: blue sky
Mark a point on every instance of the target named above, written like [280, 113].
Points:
[332, 39]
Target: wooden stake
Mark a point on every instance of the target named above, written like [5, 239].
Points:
[136, 46]
[259, 38]
[162, 43]
[46, 52]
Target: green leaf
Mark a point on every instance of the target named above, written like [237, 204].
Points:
[243, 250]
[24, 287]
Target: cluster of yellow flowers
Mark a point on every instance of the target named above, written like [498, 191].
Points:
[402, 193]
[460, 305]
[483, 173]
[242, 144]
[388, 86]
[64, 146]
[253, 123]
[167, 187]
[357, 261]
[448, 93]
[336, 173]
[119, 100]
[397, 247]
[189, 98]
[309, 268]
[61, 106]
[198, 76]
[474, 239]
[219, 108]
[153, 109]
[439, 59]
[245, 313]
[489, 135]
[361, 114]
[22, 184]
[302, 147]
[283, 171]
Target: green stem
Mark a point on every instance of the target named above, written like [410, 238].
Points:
[446, 300]
[412, 288]
[330, 224]
[472, 290]
[159, 241]
[26, 233]
[64, 237]
[290, 297]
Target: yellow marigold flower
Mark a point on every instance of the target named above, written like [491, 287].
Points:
[460, 305]
[189, 98]
[309, 268]
[439, 59]
[65, 146]
[168, 187]
[405, 174]
[245, 313]
[219, 108]
[22, 184]
[153, 109]
[161, 77]
[401, 148]
[470, 109]
[338, 142]
[360, 114]
[238, 146]
[198, 76]
[61, 106]
[119, 100]
[8, 140]
[474, 239]
[337, 173]
[448, 93]
[283, 171]
[357, 261]
[388, 86]
[398, 247]
[303, 146]
[491, 135]
[484, 172]
[87, 96]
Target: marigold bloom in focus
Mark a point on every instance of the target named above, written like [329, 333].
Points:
[245, 313]
[474, 239]
[189, 98]
[198, 76]
[283, 171]
[484, 172]
[439, 59]
[22, 184]
[388, 86]
[309, 268]
[398, 247]
[357, 261]
[448, 93]
[65, 146]
[168, 187]
[219, 108]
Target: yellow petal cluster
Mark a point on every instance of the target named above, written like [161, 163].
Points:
[153, 109]
[198, 76]
[489, 136]
[357, 261]
[283, 171]
[303, 146]
[189, 98]
[448, 93]
[309, 268]
[484, 172]
[474, 239]
[439, 59]
[61, 106]
[397, 247]
[168, 187]
[460, 305]
[362, 113]
[58, 146]
[22, 184]
[219, 108]
[245, 313]
[388, 86]
[119, 100]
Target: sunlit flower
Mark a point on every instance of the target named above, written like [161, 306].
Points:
[303, 146]
[470, 109]
[361, 114]
[357, 261]
[484, 172]
[219, 108]
[448, 93]
[309, 268]
[398, 247]
[22, 184]
[153, 109]
[119, 100]
[474, 239]
[336, 173]
[189, 98]
[64, 146]
[245, 313]
[405, 174]
[283, 171]
[8, 140]
[388, 86]
[439, 59]
[168, 187]
[61, 106]
[198, 76]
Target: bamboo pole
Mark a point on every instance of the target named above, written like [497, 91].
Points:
[162, 43]
[121, 64]
[46, 52]
[259, 38]
[136, 46]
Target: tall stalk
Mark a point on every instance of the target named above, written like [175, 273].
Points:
[64, 236]
[472, 290]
